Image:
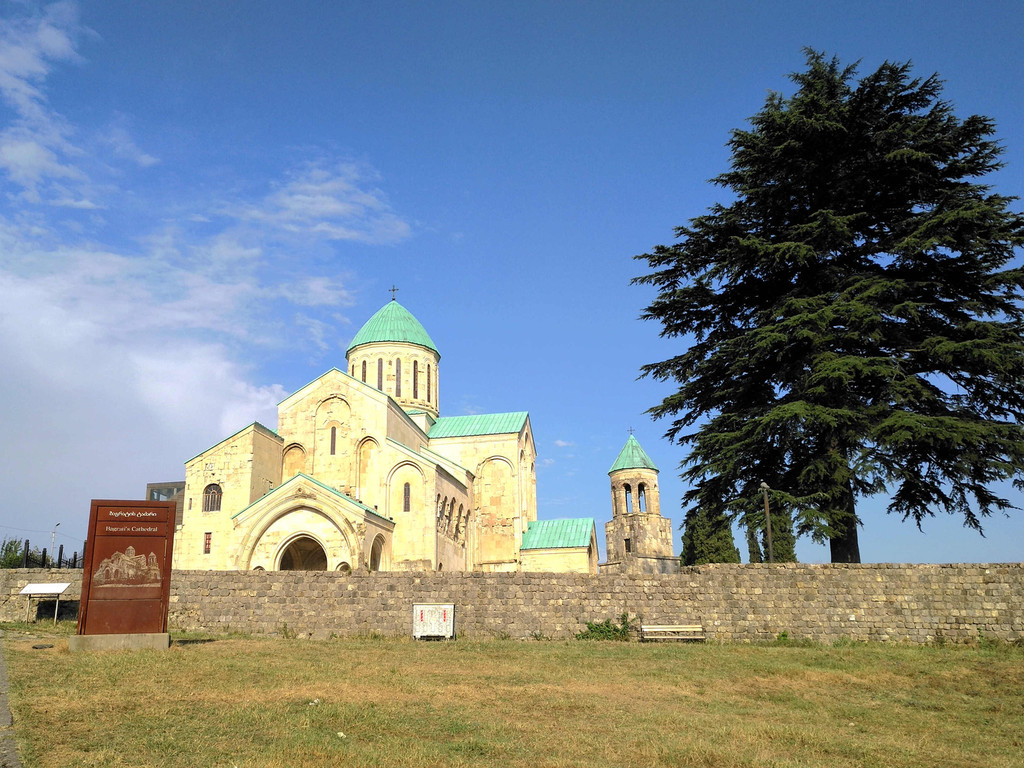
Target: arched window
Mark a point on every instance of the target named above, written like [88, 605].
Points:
[380, 373]
[629, 498]
[641, 498]
[428, 382]
[364, 371]
[334, 440]
[398, 378]
[415, 379]
[406, 497]
[211, 498]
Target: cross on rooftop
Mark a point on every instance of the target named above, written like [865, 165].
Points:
[393, 291]
[630, 430]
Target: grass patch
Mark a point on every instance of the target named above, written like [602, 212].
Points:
[272, 702]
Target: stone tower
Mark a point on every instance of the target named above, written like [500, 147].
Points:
[637, 538]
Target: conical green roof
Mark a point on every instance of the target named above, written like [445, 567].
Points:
[392, 322]
[632, 456]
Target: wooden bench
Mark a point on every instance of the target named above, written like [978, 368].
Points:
[650, 632]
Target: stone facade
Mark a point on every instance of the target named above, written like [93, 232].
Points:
[363, 474]
[895, 603]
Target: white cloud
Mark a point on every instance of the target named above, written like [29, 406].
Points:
[36, 146]
[314, 291]
[27, 162]
[123, 145]
[332, 201]
[317, 330]
[564, 443]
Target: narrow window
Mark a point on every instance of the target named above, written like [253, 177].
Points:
[364, 371]
[380, 373]
[207, 540]
[406, 498]
[428, 382]
[629, 547]
[398, 378]
[629, 498]
[641, 497]
[415, 379]
[334, 439]
[211, 498]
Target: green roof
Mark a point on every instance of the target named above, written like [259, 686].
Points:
[392, 322]
[632, 456]
[313, 480]
[558, 534]
[479, 424]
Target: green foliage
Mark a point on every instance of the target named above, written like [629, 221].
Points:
[608, 630]
[783, 538]
[707, 538]
[851, 321]
[11, 551]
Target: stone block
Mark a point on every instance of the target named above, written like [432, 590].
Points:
[157, 641]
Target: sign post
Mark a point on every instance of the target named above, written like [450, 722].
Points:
[126, 580]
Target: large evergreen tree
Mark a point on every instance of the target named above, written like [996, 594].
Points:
[852, 317]
[707, 538]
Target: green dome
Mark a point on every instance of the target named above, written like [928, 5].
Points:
[392, 322]
[632, 456]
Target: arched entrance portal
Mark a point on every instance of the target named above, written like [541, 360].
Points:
[303, 554]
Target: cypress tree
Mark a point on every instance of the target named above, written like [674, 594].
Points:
[851, 314]
[707, 538]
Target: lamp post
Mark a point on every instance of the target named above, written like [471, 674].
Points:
[53, 536]
[767, 520]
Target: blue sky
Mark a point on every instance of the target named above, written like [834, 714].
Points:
[202, 202]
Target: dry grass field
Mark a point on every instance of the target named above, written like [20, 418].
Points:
[243, 701]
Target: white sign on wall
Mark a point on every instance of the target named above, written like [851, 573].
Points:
[433, 620]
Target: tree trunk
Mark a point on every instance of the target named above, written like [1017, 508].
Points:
[844, 545]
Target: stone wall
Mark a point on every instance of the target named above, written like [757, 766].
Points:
[911, 603]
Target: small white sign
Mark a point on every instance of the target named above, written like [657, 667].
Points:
[45, 589]
[35, 590]
[433, 620]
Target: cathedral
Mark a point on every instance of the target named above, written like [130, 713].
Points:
[363, 472]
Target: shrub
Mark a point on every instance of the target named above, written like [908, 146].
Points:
[608, 630]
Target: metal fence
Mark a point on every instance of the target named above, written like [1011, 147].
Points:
[42, 559]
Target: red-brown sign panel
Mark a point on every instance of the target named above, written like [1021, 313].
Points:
[126, 584]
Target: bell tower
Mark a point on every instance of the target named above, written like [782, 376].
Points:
[637, 538]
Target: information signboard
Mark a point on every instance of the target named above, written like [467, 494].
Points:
[433, 620]
[126, 582]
